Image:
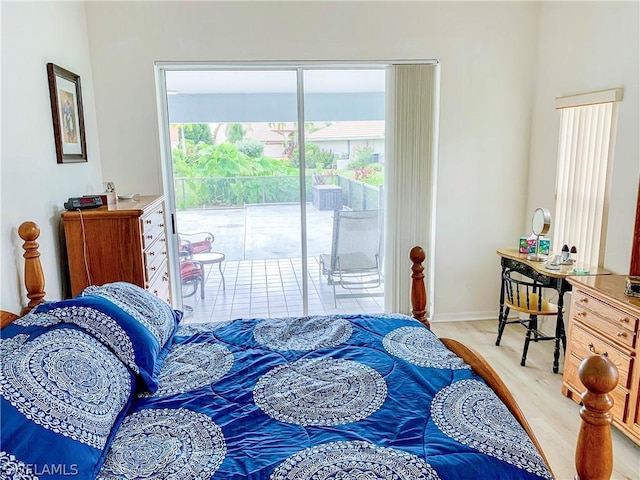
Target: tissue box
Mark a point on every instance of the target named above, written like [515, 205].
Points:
[528, 245]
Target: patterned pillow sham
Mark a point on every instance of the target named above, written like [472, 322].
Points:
[63, 395]
[158, 317]
[125, 335]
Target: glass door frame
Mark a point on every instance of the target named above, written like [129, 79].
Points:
[167, 161]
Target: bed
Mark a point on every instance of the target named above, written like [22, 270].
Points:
[112, 385]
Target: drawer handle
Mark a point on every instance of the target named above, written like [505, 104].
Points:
[161, 225]
[624, 319]
[148, 222]
[160, 212]
[592, 349]
[621, 334]
[165, 277]
[149, 237]
[151, 254]
[153, 269]
[584, 314]
[584, 300]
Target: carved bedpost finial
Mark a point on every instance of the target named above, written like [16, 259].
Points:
[418, 289]
[594, 453]
[33, 274]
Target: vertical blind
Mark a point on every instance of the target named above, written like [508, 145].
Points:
[585, 148]
[411, 149]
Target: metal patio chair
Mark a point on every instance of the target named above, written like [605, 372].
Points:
[355, 261]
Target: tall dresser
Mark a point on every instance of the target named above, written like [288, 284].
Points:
[121, 242]
[603, 319]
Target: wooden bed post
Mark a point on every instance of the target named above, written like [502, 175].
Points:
[418, 289]
[594, 452]
[33, 274]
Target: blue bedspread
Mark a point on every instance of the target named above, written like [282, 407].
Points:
[335, 397]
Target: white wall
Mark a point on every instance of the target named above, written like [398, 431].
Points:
[586, 46]
[34, 186]
[487, 86]
[503, 63]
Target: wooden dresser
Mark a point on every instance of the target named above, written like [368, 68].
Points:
[604, 319]
[125, 241]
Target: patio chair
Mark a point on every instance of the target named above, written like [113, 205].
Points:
[194, 243]
[192, 272]
[354, 263]
[191, 276]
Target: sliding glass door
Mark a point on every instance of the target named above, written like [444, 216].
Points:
[263, 164]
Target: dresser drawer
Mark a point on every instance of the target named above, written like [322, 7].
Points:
[595, 309]
[620, 395]
[152, 226]
[159, 286]
[154, 256]
[585, 343]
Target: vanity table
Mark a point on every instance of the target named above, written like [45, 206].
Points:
[512, 259]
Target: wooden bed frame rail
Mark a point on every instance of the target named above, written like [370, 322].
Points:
[594, 452]
[593, 455]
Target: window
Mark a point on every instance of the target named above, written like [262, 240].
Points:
[585, 147]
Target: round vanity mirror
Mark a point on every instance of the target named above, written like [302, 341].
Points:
[541, 222]
[540, 225]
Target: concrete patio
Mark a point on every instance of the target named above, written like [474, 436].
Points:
[263, 265]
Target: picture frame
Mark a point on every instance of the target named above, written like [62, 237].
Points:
[67, 114]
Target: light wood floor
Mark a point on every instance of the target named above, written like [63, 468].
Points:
[554, 418]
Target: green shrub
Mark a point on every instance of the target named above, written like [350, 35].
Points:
[251, 147]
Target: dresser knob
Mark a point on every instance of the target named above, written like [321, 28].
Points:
[584, 300]
[148, 222]
[584, 314]
[149, 237]
[165, 277]
[153, 269]
[152, 254]
[621, 334]
[624, 319]
[161, 225]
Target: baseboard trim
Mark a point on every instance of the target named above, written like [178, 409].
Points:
[465, 316]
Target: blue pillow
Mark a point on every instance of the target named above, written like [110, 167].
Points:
[128, 337]
[156, 315]
[63, 396]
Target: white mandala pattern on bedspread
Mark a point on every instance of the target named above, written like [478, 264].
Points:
[192, 365]
[103, 327]
[302, 333]
[321, 391]
[353, 461]
[9, 345]
[470, 412]
[420, 347]
[176, 444]
[67, 382]
[189, 329]
[35, 318]
[148, 309]
[11, 467]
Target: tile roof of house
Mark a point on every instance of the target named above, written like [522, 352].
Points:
[349, 130]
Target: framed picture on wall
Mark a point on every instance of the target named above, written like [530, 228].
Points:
[67, 115]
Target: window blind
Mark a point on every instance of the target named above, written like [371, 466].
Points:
[585, 148]
[410, 169]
